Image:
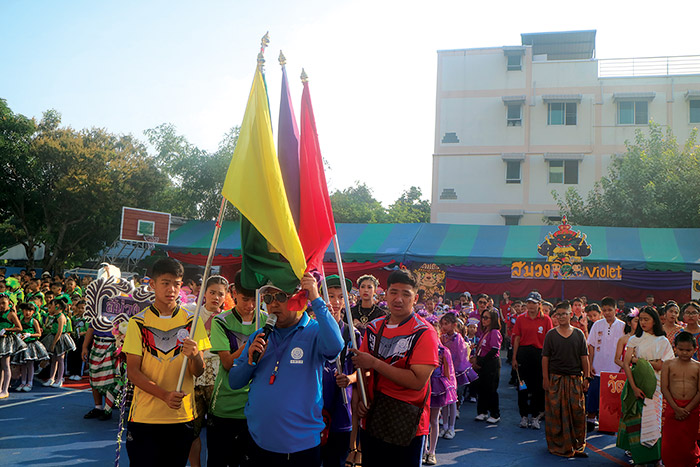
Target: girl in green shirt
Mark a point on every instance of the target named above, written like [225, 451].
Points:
[57, 340]
[35, 351]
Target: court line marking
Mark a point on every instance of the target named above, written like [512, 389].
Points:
[39, 399]
[606, 455]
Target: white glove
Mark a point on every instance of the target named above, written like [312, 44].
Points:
[2, 332]
[26, 335]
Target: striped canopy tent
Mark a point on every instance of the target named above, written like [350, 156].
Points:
[499, 245]
[366, 248]
[478, 257]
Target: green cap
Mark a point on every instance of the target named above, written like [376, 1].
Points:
[334, 281]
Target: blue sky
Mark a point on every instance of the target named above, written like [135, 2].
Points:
[131, 65]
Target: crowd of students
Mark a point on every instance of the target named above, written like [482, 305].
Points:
[42, 329]
[557, 353]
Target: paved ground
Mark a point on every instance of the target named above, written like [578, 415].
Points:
[46, 427]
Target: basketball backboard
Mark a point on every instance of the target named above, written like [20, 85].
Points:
[141, 225]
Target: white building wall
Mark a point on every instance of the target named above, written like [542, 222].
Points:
[471, 87]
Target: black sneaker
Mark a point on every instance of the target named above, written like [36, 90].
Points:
[105, 416]
[94, 413]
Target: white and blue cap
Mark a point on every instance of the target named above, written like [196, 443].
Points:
[534, 297]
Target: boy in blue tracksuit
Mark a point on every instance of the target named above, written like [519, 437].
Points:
[285, 399]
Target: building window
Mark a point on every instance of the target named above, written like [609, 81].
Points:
[633, 113]
[514, 62]
[695, 111]
[561, 113]
[515, 115]
[512, 171]
[554, 218]
[512, 220]
[565, 172]
[448, 193]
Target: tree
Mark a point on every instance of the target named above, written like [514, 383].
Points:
[18, 194]
[409, 208]
[65, 188]
[196, 175]
[655, 184]
[357, 205]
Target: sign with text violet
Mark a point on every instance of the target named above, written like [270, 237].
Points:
[564, 251]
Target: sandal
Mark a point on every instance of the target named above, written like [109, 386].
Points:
[351, 455]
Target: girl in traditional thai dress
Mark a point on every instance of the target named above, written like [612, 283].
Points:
[631, 320]
[464, 373]
[214, 298]
[443, 392]
[640, 424]
[671, 325]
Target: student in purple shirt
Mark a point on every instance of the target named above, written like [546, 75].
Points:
[487, 363]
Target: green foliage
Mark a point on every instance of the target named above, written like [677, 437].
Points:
[410, 208]
[357, 205]
[65, 188]
[196, 176]
[655, 184]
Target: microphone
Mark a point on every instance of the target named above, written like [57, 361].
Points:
[267, 329]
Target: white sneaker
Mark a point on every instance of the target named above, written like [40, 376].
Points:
[20, 388]
[481, 417]
[57, 384]
[27, 388]
[75, 378]
[449, 434]
[524, 422]
[48, 382]
[492, 420]
[535, 425]
[442, 432]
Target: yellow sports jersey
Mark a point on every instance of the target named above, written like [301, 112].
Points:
[158, 340]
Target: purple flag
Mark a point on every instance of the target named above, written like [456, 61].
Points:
[288, 148]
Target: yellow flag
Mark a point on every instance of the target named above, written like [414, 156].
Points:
[254, 181]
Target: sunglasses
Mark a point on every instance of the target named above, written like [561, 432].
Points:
[481, 302]
[279, 296]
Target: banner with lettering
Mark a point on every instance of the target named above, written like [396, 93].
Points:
[578, 271]
[611, 385]
[695, 287]
[565, 250]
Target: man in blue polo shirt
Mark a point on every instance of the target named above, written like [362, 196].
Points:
[285, 399]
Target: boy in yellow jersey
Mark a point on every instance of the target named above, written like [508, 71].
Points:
[160, 430]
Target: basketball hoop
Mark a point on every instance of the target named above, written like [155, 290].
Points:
[150, 239]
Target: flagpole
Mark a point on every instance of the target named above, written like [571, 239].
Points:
[348, 315]
[202, 289]
[257, 309]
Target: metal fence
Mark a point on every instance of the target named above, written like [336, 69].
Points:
[649, 66]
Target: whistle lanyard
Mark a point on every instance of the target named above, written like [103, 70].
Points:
[280, 351]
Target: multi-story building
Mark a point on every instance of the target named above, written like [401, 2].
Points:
[514, 123]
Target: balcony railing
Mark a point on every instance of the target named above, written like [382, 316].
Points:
[649, 66]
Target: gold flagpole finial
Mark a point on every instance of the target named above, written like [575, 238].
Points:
[264, 42]
[282, 59]
[304, 77]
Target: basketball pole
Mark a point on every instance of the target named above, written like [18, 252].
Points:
[202, 289]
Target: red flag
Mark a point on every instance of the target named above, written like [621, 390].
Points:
[316, 224]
